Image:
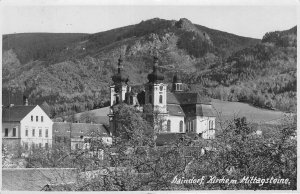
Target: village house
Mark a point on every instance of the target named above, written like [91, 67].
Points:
[26, 126]
[79, 135]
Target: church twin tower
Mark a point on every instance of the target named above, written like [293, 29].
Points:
[155, 99]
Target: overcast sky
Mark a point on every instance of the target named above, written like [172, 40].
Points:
[250, 21]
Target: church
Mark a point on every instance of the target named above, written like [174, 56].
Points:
[172, 111]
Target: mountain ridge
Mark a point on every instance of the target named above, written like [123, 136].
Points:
[72, 73]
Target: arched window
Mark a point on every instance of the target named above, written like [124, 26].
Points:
[160, 99]
[181, 126]
[161, 88]
[169, 126]
[150, 99]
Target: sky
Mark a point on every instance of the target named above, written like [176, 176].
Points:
[249, 21]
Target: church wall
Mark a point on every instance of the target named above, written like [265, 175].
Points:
[203, 126]
[175, 123]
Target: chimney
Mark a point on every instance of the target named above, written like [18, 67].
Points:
[26, 101]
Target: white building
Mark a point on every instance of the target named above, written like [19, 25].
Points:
[171, 112]
[26, 126]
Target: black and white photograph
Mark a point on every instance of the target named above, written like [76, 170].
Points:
[149, 96]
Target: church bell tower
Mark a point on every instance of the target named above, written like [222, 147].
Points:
[156, 97]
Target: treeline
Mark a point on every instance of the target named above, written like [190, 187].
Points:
[263, 75]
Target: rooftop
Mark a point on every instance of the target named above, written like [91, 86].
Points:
[79, 129]
[15, 113]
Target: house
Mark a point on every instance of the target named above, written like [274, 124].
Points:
[172, 111]
[96, 116]
[79, 135]
[26, 126]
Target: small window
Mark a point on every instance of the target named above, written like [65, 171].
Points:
[14, 132]
[40, 145]
[46, 134]
[33, 146]
[150, 99]
[181, 126]
[26, 132]
[6, 132]
[40, 132]
[37, 118]
[160, 99]
[31, 118]
[46, 145]
[169, 126]
[76, 146]
[42, 119]
[33, 132]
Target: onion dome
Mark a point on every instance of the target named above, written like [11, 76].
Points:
[155, 76]
[120, 77]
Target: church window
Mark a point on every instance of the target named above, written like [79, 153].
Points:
[160, 99]
[181, 126]
[169, 126]
[161, 88]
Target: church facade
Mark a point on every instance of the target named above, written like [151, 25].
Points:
[172, 111]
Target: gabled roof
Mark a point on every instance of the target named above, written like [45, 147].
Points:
[184, 98]
[34, 179]
[204, 110]
[175, 110]
[15, 113]
[171, 98]
[190, 98]
[79, 129]
[100, 115]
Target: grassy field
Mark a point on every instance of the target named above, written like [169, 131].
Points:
[228, 110]
[224, 111]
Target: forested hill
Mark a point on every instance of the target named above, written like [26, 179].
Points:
[34, 46]
[72, 72]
